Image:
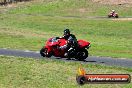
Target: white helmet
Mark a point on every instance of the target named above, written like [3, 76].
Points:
[113, 10]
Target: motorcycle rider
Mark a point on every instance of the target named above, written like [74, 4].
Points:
[112, 12]
[71, 42]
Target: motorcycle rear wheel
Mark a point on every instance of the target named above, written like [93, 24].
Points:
[82, 55]
[116, 16]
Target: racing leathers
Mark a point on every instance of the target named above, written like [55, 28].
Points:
[71, 43]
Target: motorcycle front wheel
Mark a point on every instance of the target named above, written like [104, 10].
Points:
[42, 52]
[109, 16]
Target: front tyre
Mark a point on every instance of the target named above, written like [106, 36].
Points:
[42, 52]
[49, 54]
[109, 16]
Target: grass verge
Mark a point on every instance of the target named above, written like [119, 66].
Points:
[17, 72]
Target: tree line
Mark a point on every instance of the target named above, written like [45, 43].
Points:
[2, 2]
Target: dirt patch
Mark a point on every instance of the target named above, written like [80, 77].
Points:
[82, 10]
[113, 1]
[124, 19]
[24, 33]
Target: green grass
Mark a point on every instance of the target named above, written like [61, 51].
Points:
[16, 72]
[29, 25]
[72, 8]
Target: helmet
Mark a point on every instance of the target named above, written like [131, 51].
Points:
[66, 32]
[113, 10]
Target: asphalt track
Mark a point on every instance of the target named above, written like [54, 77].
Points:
[91, 59]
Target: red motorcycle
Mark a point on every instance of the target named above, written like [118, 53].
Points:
[115, 15]
[52, 48]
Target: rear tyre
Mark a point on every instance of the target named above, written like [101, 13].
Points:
[42, 52]
[116, 16]
[82, 55]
